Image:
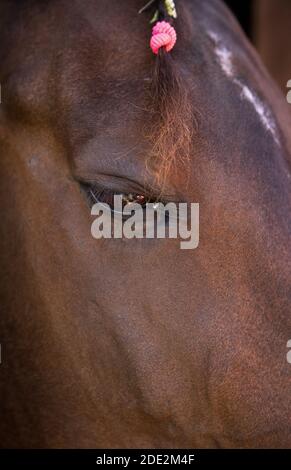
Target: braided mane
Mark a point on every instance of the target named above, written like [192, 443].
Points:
[173, 120]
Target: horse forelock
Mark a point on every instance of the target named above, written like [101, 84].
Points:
[173, 123]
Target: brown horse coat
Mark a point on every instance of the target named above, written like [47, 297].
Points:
[136, 343]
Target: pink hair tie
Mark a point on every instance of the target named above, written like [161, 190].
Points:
[163, 35]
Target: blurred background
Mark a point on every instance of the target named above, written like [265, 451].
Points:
[268, 25]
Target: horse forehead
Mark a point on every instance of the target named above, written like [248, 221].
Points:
[91, 40]
[51, 30]
[85, 55]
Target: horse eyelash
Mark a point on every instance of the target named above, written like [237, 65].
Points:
[96, 194]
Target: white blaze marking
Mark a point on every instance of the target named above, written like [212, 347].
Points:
[262, 111]
[223, 54]
[225, 59]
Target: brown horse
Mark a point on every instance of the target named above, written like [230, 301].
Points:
[136, 343]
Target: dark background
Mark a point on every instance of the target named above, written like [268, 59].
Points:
[268, 25]
[243, 9]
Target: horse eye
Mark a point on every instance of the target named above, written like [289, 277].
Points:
[134, 199]
[97, 195]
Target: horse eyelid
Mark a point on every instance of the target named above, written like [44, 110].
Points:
[96, 194]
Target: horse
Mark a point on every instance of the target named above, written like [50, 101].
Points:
[135, 343]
